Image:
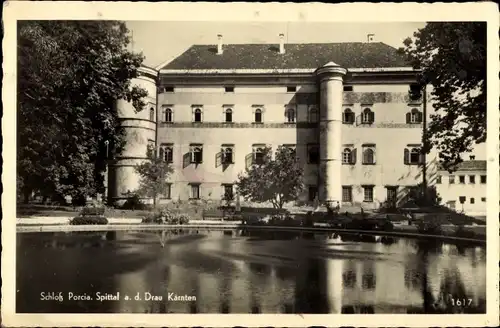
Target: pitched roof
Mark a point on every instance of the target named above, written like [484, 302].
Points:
[296, 56]
[470, 166]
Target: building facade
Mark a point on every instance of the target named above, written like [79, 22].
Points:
[347, 109]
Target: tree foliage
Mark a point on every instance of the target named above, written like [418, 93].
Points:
[278, 180]
[70, 75]
[154, 173]
[452, 58]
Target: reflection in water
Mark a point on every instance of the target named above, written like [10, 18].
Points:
[248, 272]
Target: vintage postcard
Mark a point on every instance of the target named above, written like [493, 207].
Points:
[238, 164]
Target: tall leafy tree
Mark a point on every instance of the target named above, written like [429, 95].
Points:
[70, 73]
[153, 176]
[276, 180]
[452, 58]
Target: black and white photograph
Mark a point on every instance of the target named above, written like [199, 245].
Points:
[166, 163]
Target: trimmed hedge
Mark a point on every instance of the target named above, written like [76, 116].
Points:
[93, 211]
[165, 216]
[84, 220]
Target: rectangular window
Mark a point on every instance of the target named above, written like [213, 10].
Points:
[483, 178]
[291, 88]
[461, 179]
[229, 89]
[196, 153]
[228, 192]
[451, 179]
[312, 193]
[195, 191]
[392, 194]
[368, 190]
[472, 200]
[483, 199]
[438, 179]
[168, 191]
[348, 88]
[312, 154]
[169, 89]
[472, 179]
[347, 194]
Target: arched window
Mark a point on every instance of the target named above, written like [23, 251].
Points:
[367, 117]
[290, 115]
[228, 155]
[347, 156]
[196, 154]
[168, 115]
[258, 115]
[259, 153]
[228, 115]
[168, 153]
[348, 116]
[414, 117]
[197, 115]
[313, 115]
[368, 156]
[413, 156]
[152, 114]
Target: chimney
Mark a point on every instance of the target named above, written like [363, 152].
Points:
[370, 37]
[219, 44]
[282, 43]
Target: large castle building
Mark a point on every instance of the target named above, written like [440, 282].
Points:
[346, 108]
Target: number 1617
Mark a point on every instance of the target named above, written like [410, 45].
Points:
[461, 301]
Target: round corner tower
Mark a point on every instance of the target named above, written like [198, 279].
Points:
[140, 130]
[330, 78]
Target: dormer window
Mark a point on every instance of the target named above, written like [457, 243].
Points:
[348, 116]
[229, 89]
[367, 116]
[197, 114]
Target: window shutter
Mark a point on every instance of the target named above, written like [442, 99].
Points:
[186, 159]
[358, 119]
[420, 117]
[372, 117]
[406, 156]
[374, 152]
[353, 156]
[249, 160]
[162, 154]
[408, 118]
[201, 155]
[218, 159]
[421, 158]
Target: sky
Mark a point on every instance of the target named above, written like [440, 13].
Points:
[161, 42]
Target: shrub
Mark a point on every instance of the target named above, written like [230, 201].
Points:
[431, 228]
[165, 216]
[464, 233]
[134, 202]
[93, 211]
[89, 219]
